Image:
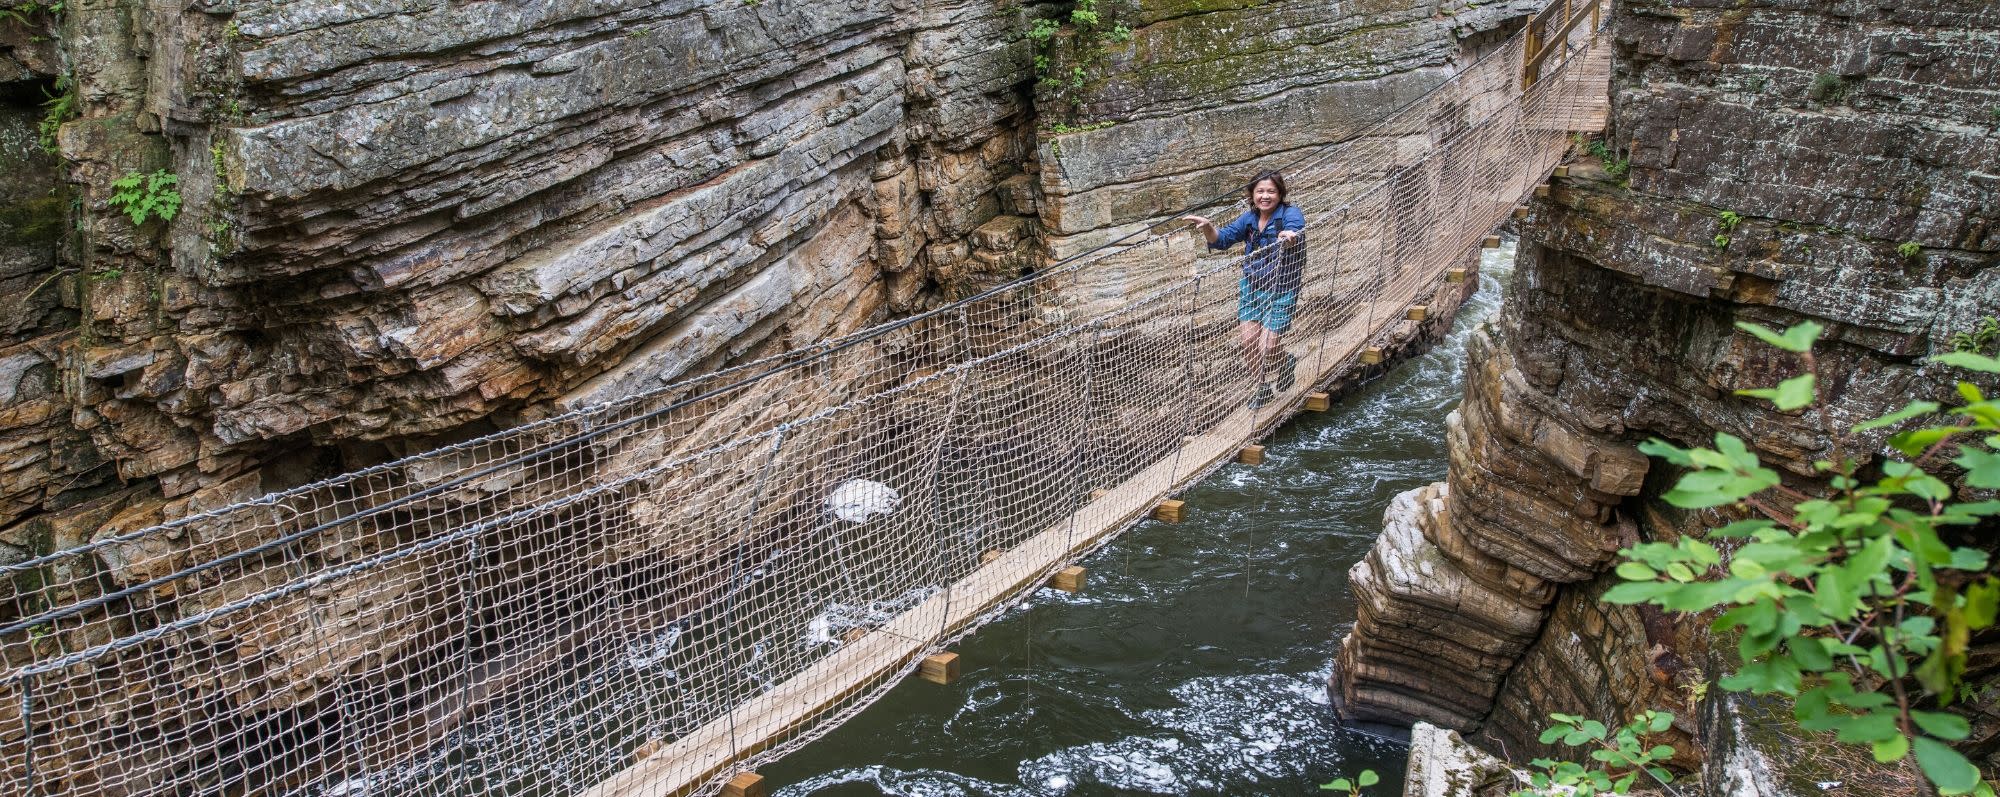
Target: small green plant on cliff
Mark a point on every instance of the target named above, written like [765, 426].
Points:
[1978, 339]
[1827, 89]
[1614, 166]
[24, 14]
[57, 108]
[147, 196]
[1076, 41]
[1728, 219]
[1621, 756]
[1909, 249]
[1853, 604]
[1352, 787]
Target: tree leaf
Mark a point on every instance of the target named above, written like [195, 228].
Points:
[1789, 395]
[1982, 468]
[1636, 571]
[1982, 602]
[1632, 592]
[1910, 410]
[1891, 749]
[1664, 450]
[1969, 361]
[1368, 778]
[1945, 767]
[1797, 339]
[1949, 727]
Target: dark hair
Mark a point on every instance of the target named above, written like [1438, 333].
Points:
[1278, 180]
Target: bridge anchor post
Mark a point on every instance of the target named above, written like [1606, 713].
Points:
[1068, 579]
[939, 668]
[746, 784]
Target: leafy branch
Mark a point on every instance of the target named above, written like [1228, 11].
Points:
[1852, 604]
[1621, 756]
[147, 196]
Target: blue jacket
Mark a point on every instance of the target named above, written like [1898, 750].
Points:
[1268, 266]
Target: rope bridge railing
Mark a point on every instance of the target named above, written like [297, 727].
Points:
[640, 597]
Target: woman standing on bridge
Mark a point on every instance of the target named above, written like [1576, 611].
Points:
[1274, 257]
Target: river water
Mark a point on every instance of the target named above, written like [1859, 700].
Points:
[1196, 660]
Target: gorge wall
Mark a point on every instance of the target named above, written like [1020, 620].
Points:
[249, 245]
[1838, 132]
[404, 224]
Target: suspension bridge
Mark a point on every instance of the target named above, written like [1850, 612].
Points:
[652, 596]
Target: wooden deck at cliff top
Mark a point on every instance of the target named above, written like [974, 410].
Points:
[695, 760]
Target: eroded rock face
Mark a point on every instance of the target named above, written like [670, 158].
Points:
[1815, 139]
[408, 224]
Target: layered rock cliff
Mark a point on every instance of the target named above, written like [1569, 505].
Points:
[408, 224]
[251, 244]
[1787, 161]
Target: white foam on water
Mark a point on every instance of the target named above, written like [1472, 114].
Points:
[1229, 733]
[646, 653]
[893, 782]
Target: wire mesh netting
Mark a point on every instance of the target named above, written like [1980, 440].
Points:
[645, 596]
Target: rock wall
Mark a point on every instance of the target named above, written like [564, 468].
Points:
[276, 241]
[1837, 132]
[404, 226]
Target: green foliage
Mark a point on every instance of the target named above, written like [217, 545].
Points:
[1062, 129]
[1979, 338]
[1852, 604]
[1621, 756]
[1067, 47]
[1727, 220]
[1909, 249]
[56, 109]
[1352, 787]
[147, 196]
[24, 13]
[1827, 89]
[1614, 166]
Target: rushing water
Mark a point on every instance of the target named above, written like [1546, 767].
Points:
[1196, 661]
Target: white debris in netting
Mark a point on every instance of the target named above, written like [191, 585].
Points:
[857, 500]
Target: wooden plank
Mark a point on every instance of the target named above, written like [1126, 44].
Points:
[1372, 355]
[1541, 192]
[1068, 579]
[1520, 211]
[1455, 276]
[1555, 42]
[1417, 312]
[1169, 511]
[939, 668]
[1490, 242]
[692, 761]
[746, 784]
[1251, 455]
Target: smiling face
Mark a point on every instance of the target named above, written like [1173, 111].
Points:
[1265, 196]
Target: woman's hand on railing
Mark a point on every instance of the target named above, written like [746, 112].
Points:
[1203, 226]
